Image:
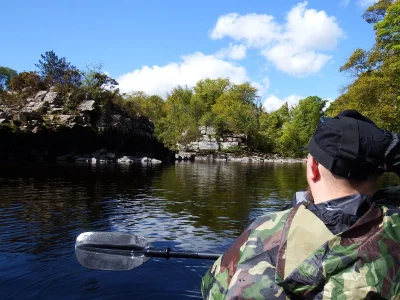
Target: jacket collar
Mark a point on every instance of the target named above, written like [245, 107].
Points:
[341, 213]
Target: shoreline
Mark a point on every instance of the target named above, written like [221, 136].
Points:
[247, 157]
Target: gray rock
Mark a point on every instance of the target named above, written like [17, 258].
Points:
[64, 118]
[52, 97]
[56, 110]
[207, 130]
[40, 96]
[208, 146]
[125, 160]
[227, 145]
[87, 106]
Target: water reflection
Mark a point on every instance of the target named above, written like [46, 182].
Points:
[194, 206]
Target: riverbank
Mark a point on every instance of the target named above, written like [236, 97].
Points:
[240, 156]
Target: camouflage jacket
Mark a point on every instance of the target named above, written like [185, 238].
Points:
[292, 255]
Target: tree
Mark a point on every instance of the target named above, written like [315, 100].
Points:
[375, 91]
[377, 11]
[303, 122]
[388, 30]
[26, 83]
[55, 69]
[272, 126]
[179, 124]
[206, 93]
[5, 77]
[236, 111]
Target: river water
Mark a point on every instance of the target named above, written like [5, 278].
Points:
[200, 206]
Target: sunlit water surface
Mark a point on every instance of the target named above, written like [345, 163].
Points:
[186, 206]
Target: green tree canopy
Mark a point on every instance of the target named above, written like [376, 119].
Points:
[303, 122]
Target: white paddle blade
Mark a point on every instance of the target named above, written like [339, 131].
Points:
[99, 250]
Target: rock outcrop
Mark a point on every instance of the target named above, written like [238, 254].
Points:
[46, 127]
[209, 141]
[230, 147]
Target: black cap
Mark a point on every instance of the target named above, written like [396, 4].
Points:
[350, 145]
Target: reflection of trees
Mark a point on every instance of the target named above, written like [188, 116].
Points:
[45, 207]
[223, 195]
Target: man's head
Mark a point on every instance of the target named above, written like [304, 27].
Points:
[346, 156]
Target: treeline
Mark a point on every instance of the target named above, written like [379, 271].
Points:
[234, 108]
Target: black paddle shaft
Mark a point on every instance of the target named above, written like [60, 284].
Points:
[128, 250]
[167, 253]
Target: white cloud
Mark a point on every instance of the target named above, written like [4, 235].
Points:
[293, 47]
[160, 80]
[234, 52]
[290, 60]
[273, 103]
[311, 29]
[253, 29]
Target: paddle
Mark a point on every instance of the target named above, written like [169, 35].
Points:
[121, 251]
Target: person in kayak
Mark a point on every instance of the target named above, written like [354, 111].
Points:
[342, 241]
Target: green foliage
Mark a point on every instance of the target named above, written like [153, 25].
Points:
[376, 89]
[5, 77]
[24, 85]
[388, 30]
[152, 107]
[273, 125]
[357, 63]
[235, 111]
[377, 11]
[304, 120]
[230, 108]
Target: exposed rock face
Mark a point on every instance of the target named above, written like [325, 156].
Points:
[42, 102]
[47, 127]
[87, 106]
[207, 130]
[209, 141]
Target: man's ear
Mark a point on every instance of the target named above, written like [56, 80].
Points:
[314, 172]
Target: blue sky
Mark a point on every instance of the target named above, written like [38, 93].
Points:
[287, 49]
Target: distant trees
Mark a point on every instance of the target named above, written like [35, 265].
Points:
[230, 108]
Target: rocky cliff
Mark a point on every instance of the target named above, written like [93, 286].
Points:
[45, 127]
